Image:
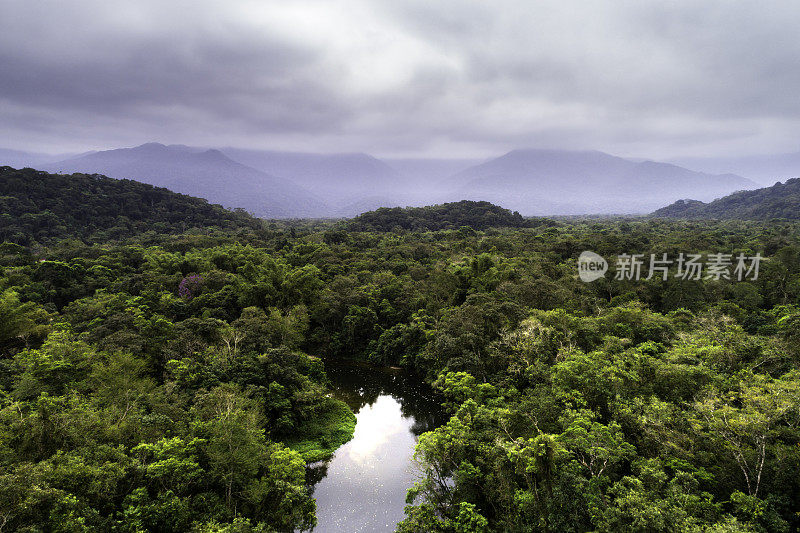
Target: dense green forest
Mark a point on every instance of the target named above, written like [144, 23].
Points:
[782, 201]
[41, 207]
[453, 215]
[177, 382]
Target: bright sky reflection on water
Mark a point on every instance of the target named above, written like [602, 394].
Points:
[369, 475]
[364, 485]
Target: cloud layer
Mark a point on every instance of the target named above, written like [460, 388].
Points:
[413, 77]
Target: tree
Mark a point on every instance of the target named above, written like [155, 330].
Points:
[20, 322]
[745, 419]
[234, 438]
[594, 445]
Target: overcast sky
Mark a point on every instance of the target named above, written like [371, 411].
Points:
[394, 77]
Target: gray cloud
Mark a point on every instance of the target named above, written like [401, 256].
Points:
[452, 77]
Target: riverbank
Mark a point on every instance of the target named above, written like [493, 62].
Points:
[317, 438]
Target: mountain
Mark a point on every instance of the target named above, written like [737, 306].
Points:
[580, 182]
[782, 200]
[429, 171]
[208, 174]
[356, 182]
[765, 169]
[367, 203]
[453, 215]
[40, 207]
[281, 184]
[20, 159]
[339, 178]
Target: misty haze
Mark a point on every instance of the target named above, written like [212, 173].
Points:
[423, 267]
[276, 184]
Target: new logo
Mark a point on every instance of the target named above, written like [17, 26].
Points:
[591, 266]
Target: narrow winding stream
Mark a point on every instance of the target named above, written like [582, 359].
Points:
[363, 487]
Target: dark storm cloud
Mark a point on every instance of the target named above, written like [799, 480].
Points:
[452, 77]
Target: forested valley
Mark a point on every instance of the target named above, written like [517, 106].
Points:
[164, 376]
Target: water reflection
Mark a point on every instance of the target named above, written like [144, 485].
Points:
[363, 487]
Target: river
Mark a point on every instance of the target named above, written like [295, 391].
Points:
[363, 487]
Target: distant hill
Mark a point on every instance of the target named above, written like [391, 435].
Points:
[353, 183]
[368, 203]
[477, 215]
[335, 177]
[41, 207]
[782, 200]
[765, 169]
[279, 184]
[209, 174]
[429, 170]
[579, 182]
[20, 159]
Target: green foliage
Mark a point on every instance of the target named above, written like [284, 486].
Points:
[465, 214]
[42, 207]
[317, 438]
[20, 323]
[780, 201]
[89, 439]
[611, 406]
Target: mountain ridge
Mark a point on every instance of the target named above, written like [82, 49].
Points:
[343, 179]
[781, 200]
[285, 184]
[39, 206]
[207, 173]
[766, 168]
[536, 181]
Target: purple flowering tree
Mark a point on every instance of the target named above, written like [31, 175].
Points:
[190, 286]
